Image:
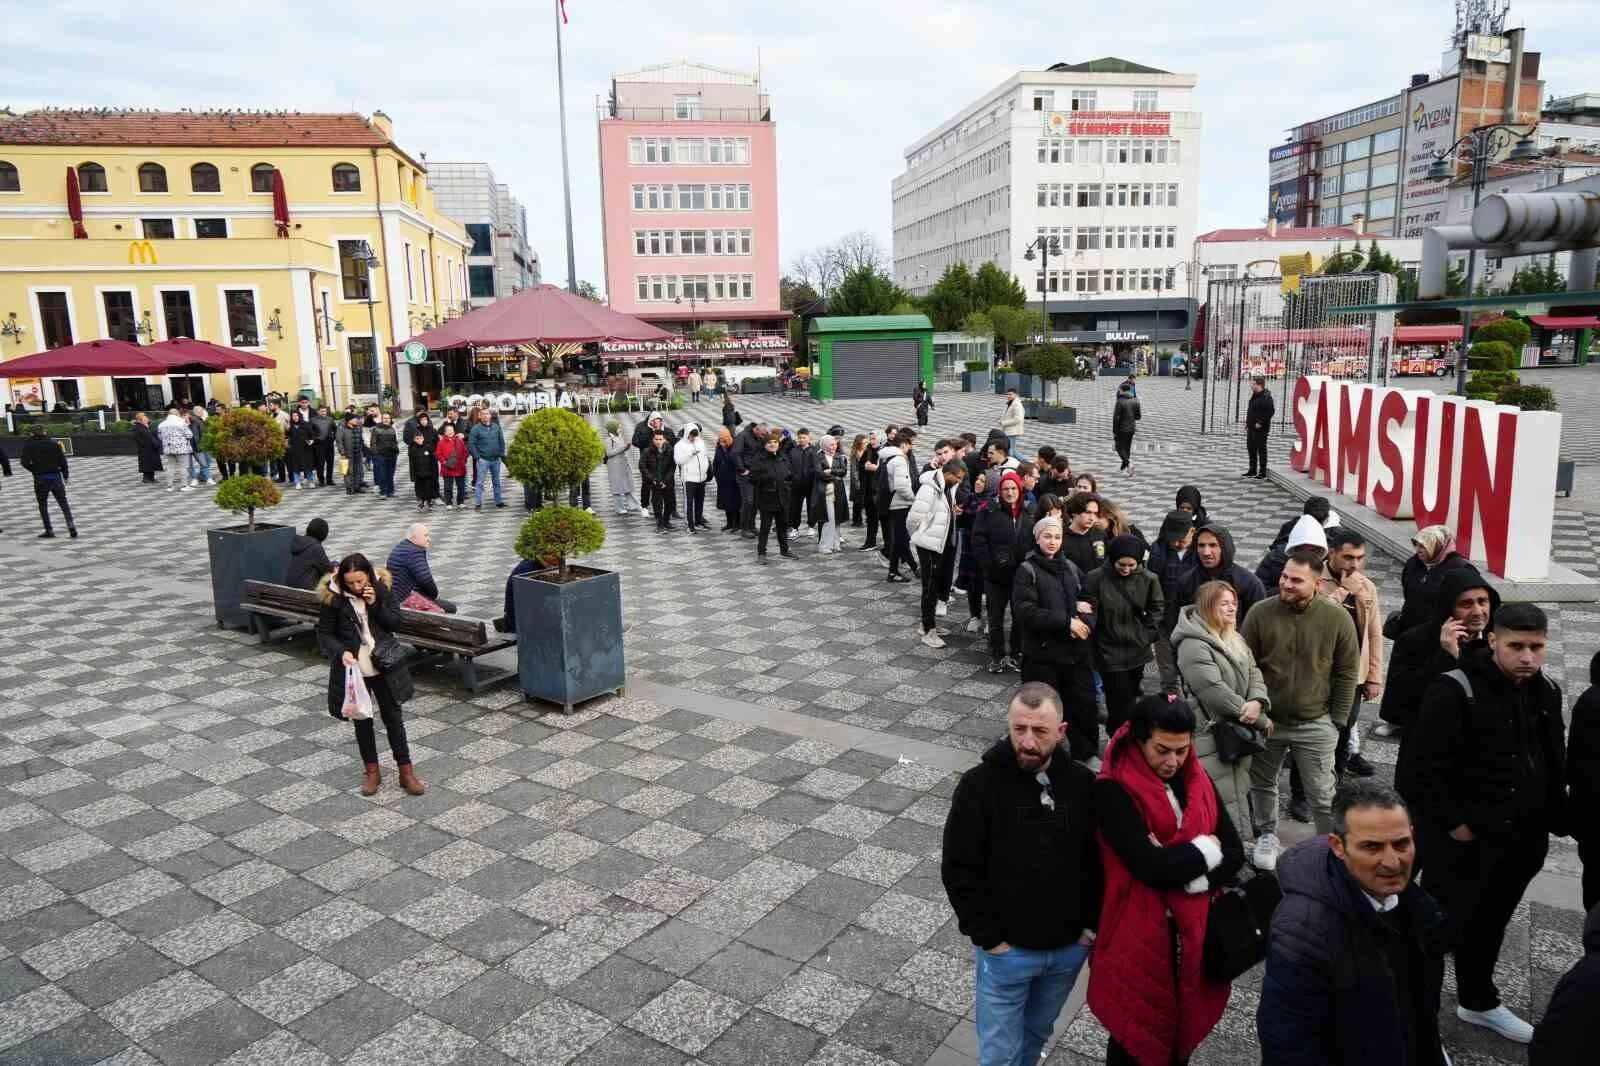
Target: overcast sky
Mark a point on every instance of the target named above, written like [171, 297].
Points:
[851, 84]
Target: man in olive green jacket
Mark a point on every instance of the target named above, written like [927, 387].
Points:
[1307, 649]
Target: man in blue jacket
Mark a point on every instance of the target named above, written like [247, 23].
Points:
[487, 444]
[409, 570]
[1355, 956]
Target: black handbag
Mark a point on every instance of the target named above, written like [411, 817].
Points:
[1236, 740]
[1236, 926]
[390, 659]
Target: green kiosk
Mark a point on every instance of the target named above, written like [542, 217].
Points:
[870, 356]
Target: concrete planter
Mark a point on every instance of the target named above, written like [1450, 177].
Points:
[1566, 471]
[1057, 416]
[569, 636]
[975, 381]
[79, 445]
[239, 554]
[1009, 381]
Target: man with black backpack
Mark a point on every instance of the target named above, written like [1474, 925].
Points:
[1488, 785]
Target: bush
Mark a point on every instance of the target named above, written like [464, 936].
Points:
[1512, 331]
[1487, 384]
[1492, 355]
[976, 365]
[554, 448]
[1023, 362]
[1051, 363]
[246, 492]
[559, 532]
[1528, 397]
[243, 435]
[59, 429]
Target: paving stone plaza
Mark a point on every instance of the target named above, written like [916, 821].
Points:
[737, 863]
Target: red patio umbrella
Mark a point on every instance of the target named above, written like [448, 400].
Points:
[75, 205]
[280, 204]
[203, 357]
[101, 358]
[544, 315]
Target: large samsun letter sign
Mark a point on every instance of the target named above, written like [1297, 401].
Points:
[1484, 470]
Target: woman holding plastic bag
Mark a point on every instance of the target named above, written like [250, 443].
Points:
[367, 671]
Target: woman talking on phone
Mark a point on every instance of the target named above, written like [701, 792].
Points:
[356, 630]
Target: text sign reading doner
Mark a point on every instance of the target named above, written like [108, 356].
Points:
[1485, 470]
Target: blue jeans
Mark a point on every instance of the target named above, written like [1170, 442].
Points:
[488, 470]
[383, 473]
[1011, 446]
[200, 466]
[1019, 995]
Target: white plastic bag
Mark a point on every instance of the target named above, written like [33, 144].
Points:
[357, 698]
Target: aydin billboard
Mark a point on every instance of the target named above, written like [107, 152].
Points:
[1430, 128]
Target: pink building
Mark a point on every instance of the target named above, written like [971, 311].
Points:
[689, 203]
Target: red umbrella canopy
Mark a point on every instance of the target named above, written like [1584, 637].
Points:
[88, 359]
[280, 204]
[543, 314]
[75, 205]
[206, 357]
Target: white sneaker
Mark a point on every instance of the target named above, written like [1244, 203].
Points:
[1386, 729]
[1265, 856]
[213, 481]
[940, 608]
[1500, 1020]
[932, 639]
[974, 625]
[187, 488]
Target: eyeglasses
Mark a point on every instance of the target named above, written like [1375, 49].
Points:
[1047, 799]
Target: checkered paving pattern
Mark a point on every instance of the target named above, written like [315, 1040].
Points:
[189, 875]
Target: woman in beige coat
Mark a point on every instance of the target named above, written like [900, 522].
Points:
[1221, 674]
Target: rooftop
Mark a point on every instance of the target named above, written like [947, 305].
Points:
[197, 129]
[1283, 233]
[683, 72]
[869, 323]
[1106, 65]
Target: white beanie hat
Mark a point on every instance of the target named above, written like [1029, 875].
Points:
[1307, 531]
[1331, 521]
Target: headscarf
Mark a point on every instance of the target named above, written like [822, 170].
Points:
[724, 438]
[1047, 522]
[1437, 541]
[1011, 476]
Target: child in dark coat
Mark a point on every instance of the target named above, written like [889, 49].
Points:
[424, 470]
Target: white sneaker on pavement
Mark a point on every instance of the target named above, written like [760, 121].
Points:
[940, 608]
[1500, 1020]
[932, 639]
[187, 488]
[974, 625]
[1265, 855]
[1385, 729]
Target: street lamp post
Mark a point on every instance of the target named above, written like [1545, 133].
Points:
[1482, 142]
[1161, 283]
[1046, 247]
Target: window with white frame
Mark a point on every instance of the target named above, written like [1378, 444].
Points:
[1222, 271]
[241, 309]
[1145, 100]
[1084, 100]
[1088, 195]
[1044, 100]
[691, 197]
[686, 105]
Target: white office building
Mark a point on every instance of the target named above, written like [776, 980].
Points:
[1103, 159]
[500, 261]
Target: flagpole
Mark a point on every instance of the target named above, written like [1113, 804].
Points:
[566, 175]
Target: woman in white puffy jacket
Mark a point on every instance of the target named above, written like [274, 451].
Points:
[694, 467]
[931, 523]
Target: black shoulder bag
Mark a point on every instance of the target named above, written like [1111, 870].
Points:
[1236, 926]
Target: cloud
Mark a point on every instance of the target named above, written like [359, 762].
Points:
[852, 85]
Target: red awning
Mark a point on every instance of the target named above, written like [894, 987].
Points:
[543, 314]
[207, 358]
[1557, 322]
[1440, 334]
[89, 359]
[1315, 335]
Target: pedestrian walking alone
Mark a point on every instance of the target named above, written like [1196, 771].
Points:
[47, 462]
[1124, 422]
[922, 402]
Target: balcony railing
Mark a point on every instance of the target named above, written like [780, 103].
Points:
[697, 114]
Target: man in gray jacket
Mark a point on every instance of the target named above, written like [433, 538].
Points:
[323, 429]
[353, 448]
[902, 494]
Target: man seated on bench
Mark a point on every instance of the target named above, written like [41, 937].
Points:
[414, 587]
[307, 559]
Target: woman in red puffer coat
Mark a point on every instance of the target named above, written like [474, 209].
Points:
[451, 454]
[1167, 844]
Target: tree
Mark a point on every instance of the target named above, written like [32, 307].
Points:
[905, 307]
[865, 291]
[249, 439]
[978, 324]
[951, 299]
[553, 449]
[1051, 363]
[1016, 325]
[710, 337]
[993, 287]
[587, 290]
[825, 267]
[795, 294]
[1537, 277]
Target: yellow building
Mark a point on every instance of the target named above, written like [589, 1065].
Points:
[183, 238]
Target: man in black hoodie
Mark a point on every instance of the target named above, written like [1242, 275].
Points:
[1257, 424]
[1213, 553]
[1570, 1030]
[308, 560]
[1488, 788]
[47, 462]
[747, 448]
[1465, 609]
[802, 460]
[1021, 865]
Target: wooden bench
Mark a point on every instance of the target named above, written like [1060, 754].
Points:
[463, 639]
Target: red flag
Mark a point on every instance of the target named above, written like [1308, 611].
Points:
[563, 5]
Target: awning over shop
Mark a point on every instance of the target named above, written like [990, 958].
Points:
[1445, 333]
[1565, 322]
[544, 315]
[194, 356]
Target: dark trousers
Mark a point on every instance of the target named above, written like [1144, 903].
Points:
[869, 514]
[694, 502]
[1479, 884]
[930, 584]
[426, 488]
[886, 522]
[1117, 1055]
[1589, 855]
[975, 599]
[798, 498]
[645, 490]
[457, 486]
[857, 505]
[1122, 692]
[322, 450]
[899, 541]
[947, 570]
[393, 724]
[768, 519]
[999, 597]
[1075, 685]
[1255, 442]
[578, 495]
[747, 506]
[1124, 443]
[43, 489]
[660, 507]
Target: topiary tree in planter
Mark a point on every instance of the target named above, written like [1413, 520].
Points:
[251, 552]
[569, 621]
[1050, 363]
[1528, 397]
[1492, 363]
[250, 439]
